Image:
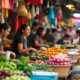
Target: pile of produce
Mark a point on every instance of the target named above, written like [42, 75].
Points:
[17, 78]
[19, 67]
[59, 61]
[44, 67]
[54, 51]
[39, 62]
[4, 74]
[9, 66]
[38, 57]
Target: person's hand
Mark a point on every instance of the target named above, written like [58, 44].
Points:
[33, 49]
[47, 46]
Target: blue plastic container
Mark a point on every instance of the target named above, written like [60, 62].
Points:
[42, 75]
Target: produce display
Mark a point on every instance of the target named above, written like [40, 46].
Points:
[19, 69]
[14, 67]
[54, 51]
[4, 74]
[38, 57]
[38, 62]
[59, 61]
[45, 67]
[10, 66]
[17, 78]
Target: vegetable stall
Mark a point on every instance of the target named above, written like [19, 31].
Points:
[55, 59]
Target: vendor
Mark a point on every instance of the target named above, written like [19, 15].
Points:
[65, 40]
[32, 33]
[38, 40]
[4, 32]
[19, 45]
[77, 39]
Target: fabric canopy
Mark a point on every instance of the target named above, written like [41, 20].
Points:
[38, 2]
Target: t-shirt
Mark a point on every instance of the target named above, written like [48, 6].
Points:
[18, 40]
[40, 41]
[30, 39]
[50, 38]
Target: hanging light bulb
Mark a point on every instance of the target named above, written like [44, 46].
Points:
[70, 6]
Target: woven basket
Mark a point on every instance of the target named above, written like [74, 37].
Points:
[29, 16]
[63, 70]
[22, 11]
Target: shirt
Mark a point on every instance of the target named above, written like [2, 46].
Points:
[40, 41]
[18, 40]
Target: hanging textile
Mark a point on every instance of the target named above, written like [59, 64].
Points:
[37, 10]
[0, 4]
[3, 16]
[59, 16]
[51, 13]
[36, 2]
[17, 25]
[33, 11]
[11, 4]
[5, 4]
[6, 13]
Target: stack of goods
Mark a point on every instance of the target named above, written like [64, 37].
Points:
[14, 67]
[39, 62]
[15, 77]
[54, 51]
[59, 61]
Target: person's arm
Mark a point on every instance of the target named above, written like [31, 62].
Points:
[20, 48]
[37, 44]
[2, 53]
[24, 51]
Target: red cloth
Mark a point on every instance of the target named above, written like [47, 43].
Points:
[5, 4]
[19, 22]
[58, 17]
[38, 2]
[11, 4]
[40, 16]
[0, 4]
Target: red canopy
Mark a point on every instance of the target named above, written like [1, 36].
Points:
[38, 2]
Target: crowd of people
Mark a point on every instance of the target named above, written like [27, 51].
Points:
[32, 39]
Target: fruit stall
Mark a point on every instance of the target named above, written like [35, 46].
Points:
[49, 64]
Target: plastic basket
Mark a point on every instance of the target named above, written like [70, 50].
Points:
[42, 75]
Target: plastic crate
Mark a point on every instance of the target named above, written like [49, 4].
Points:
[42, 75]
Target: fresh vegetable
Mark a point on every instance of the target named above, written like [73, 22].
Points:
[41, 67]
[59, 61]
[23, 65]
[16, 66]
[15, 77]
[38, 57]
[38, 62]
